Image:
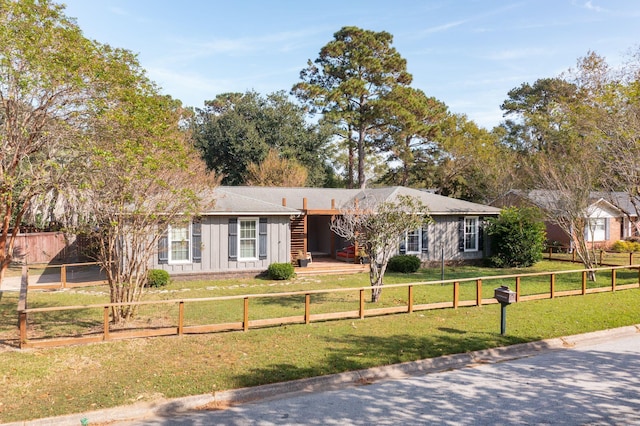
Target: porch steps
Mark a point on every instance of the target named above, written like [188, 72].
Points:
[331, 270]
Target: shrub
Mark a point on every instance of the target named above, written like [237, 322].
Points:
[404, 263]
[280, 271]
[157, 278]
[626, 246]
[517, 237]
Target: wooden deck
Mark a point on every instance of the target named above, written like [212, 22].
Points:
[328, 266]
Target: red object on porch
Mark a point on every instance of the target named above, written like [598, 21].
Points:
[347, 253]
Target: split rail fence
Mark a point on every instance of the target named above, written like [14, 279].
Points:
[311, 306]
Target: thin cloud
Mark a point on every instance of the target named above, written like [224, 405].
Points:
[444, 27]
[511, 54]
[118, 11]
[455, 24]
[590, 6]
[278, 42]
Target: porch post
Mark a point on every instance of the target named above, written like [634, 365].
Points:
[305, 231]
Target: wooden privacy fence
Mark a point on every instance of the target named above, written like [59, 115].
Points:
[104, 330]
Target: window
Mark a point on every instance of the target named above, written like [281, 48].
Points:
[179, 244]
[414, 242]
[248, 238]
[597, 229]
[470, 234]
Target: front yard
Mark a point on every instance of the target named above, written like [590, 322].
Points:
[46, 382]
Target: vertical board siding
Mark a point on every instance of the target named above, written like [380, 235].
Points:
[214, 237]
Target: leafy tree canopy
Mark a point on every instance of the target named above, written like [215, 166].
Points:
[237, 129]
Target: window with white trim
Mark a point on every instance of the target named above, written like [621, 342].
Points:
[179, 242]
[414, 242]
[248, 238]
[470, 234]
[597, 229]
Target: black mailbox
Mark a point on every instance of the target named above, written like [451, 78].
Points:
[504, 295]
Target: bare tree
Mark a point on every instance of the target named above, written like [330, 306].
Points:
[376, 227]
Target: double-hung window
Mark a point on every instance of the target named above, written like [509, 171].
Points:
[248, 238]
[470, 234]
[597, 229]
[414, 242]
[179, 244]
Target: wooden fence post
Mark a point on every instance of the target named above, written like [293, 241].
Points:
[613, 279]
[22, 325]
[180, 317]
[63, 276]
[478, 292]
[631, 258]
[410, 301]
[245, 316]
[307, 308]
[456, 294]
[552, 286]
[601, 256]
[550, 252]
[518, 288]
[361, 304]
[22, 306]
[105, 323]
[584, 282]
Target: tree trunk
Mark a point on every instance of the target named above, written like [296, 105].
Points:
[361, 174]
[350, 162]
[375, 278]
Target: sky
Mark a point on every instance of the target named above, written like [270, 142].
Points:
[466, 53]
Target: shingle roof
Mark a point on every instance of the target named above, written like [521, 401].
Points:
[269, 200]
[547, 199]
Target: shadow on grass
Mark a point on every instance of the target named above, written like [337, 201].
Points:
[355, 352]
[291, 301]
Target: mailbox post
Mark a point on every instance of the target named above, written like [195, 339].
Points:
[505, 297]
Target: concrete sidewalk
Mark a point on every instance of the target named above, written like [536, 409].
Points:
[329, 399]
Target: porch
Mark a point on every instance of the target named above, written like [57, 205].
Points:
[328, 266]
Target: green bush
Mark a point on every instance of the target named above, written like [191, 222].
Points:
[626, 246]
[157, 278]
[280, 271]
[404, 263]
[517, 237]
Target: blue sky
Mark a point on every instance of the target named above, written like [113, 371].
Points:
[466, 53]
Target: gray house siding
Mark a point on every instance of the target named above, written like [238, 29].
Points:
[443, 234]
[215, 248]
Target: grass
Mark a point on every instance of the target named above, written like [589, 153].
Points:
[40, 383]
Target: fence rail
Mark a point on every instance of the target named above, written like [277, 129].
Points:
[70, 275]
[564, 253]
[109, 331]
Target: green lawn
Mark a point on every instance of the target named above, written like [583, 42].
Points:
[40, 383]
[85, 321]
